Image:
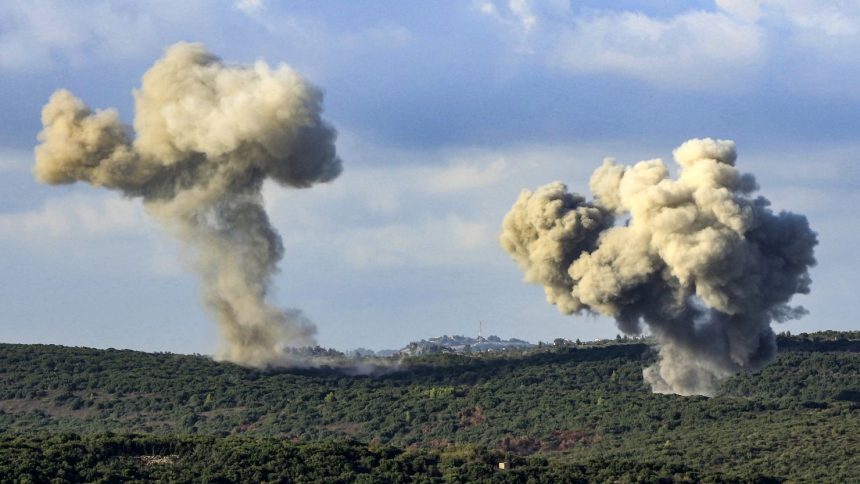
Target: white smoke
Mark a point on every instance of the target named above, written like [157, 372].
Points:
[206, 135]
[698, 259]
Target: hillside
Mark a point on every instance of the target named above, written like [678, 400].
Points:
[575, 410]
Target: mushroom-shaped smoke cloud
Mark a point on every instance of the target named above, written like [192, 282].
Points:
[701, 262]
[206, 135]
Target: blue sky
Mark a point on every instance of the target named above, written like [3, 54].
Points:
[445, 111]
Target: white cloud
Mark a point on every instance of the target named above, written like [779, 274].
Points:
[825, 17]
[376, 218]
[466, 175]
[91, 226]
[523, 12]
[522, 17]
[450, 241]
[748, 10]
[37, 34]
[694, 50]
[813, 42]
[250, 7]
[17, 161]
[76, 217]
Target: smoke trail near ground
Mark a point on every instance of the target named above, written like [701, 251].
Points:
[206, 135]
[704, 264]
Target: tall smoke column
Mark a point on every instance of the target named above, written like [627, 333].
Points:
[698, 259]
[206, 135]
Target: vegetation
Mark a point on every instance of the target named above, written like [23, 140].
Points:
[563, 413]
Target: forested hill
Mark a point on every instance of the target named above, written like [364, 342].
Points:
[580, 411]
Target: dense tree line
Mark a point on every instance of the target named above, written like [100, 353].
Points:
[129, 458]
[579, 409]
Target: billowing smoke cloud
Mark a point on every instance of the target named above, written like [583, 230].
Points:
[206, 135]
[704, 264]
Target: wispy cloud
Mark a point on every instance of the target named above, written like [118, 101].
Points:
[450, 241]
[89, 226]
[40, 33]
[696, 48]
[15, 160]
[250, 7]
[76, 217]
[465, 175]
[419, 215]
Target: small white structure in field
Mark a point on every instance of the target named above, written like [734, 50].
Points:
[504, 465]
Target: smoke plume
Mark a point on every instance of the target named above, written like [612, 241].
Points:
[206, 135]
[701, 261]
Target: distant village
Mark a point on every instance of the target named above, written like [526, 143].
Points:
[459, 344]
[467, 344]
[451, 344]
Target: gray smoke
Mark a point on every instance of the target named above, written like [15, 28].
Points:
[704, 264]
[206, 135]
